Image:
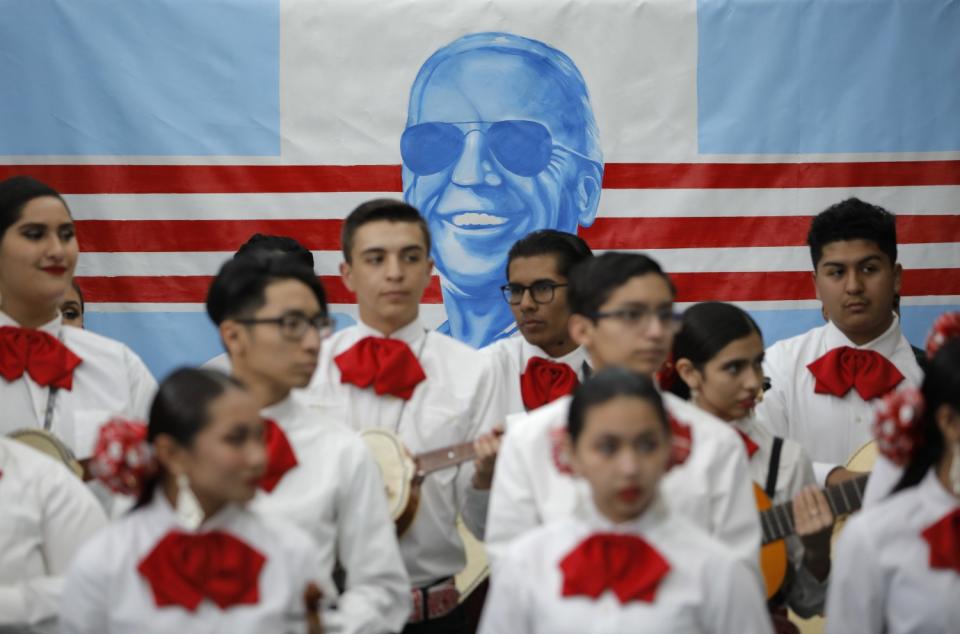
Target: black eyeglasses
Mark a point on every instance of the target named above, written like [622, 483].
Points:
[640, 317]
[541, 292]
[293, 326]
[522, 147]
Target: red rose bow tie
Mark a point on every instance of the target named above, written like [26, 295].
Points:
[944, 540]
[280, 455]
[184, 569]
[843, 368]
[625, 564]
[748, 443]
[387, 364]
[41, 355]
[544, 381]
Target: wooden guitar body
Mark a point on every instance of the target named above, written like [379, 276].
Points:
[773, 555]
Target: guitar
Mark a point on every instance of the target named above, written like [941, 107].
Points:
[402, 474]
[776, 522]
[47, 443]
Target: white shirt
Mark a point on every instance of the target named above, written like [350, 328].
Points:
[459, 400]
[46, 514]
[828, 427]
[706, 589]
[805, 594]
[883, 477]
[510, 357]
[335, 494]
[111, 381]
[712, 488]
[105, 594]
[882, 581]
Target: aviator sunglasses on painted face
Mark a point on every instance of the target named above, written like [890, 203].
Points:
[522, 147]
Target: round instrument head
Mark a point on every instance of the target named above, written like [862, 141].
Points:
[396, 467]
[47, 443]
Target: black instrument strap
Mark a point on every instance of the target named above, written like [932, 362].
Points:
[774, 468]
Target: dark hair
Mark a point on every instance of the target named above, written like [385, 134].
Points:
[941, 386]
[76, 286]
[569, 249]
[706, 329]
[594, 280]
[240, 287]
[606, 385]
[262, 245]
[181, 409]
[853, 219]
[380, 209]
[15, 193]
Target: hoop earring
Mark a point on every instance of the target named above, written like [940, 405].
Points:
[188, 509]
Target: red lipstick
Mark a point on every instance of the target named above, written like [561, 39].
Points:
[55, 270]
[629, 495]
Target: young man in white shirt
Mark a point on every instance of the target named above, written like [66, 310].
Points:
[622, 313]
[432, 391]
[272, 316]
[542, 362]
[825, 383]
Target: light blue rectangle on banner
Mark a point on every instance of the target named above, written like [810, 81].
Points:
[824, 76]
[140, 77]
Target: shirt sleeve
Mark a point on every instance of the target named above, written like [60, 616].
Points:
[377, 594]
[732, 603]
[509, 602]
[883, 477]
[733, 507]
[71, 515]
[488, 410]
[143, 387]
[855, 598]
[513, 509]
[86, 596]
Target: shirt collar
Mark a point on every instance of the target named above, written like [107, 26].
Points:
[283, 412]
[166, 516]
[885, 344]
[935, 494]
[52, 327]
[587, 512]
[411, 333]
[575, 358]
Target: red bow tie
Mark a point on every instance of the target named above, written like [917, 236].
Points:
[944, 540]
[748, 443]
[545, 381]
[387, 364]
[869, 372]
[681, 442]
[626, 564]
[184, 569]
[42, 356]
[280, 455]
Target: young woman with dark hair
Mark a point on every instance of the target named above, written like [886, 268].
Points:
[897, 567]
[191, 557]
[624, 561]
[718, 356]
[65, 380]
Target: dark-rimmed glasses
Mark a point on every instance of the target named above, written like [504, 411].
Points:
[293, 326]
[640, 317]
[541, 292]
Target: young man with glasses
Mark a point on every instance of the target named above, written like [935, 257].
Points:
[542, 362]
[272, 317]
[432, 391]
[622, 313]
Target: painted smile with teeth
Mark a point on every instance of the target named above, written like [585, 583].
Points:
[478, 219]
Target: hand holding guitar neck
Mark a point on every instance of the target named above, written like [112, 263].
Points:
[486, 448]
[311, 602]
[813, 519]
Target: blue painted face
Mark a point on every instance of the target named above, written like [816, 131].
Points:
[496, 147]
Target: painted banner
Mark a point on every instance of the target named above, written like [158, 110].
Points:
[705, 133]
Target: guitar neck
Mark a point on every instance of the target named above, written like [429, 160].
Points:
[844, 498]
[445, 457]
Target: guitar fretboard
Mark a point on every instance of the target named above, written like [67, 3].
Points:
[431, 461]
[844, 498]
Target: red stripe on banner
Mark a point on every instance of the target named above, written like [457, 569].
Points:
[691, 287]
[193, 289]
[246, 179]
[606, 233]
